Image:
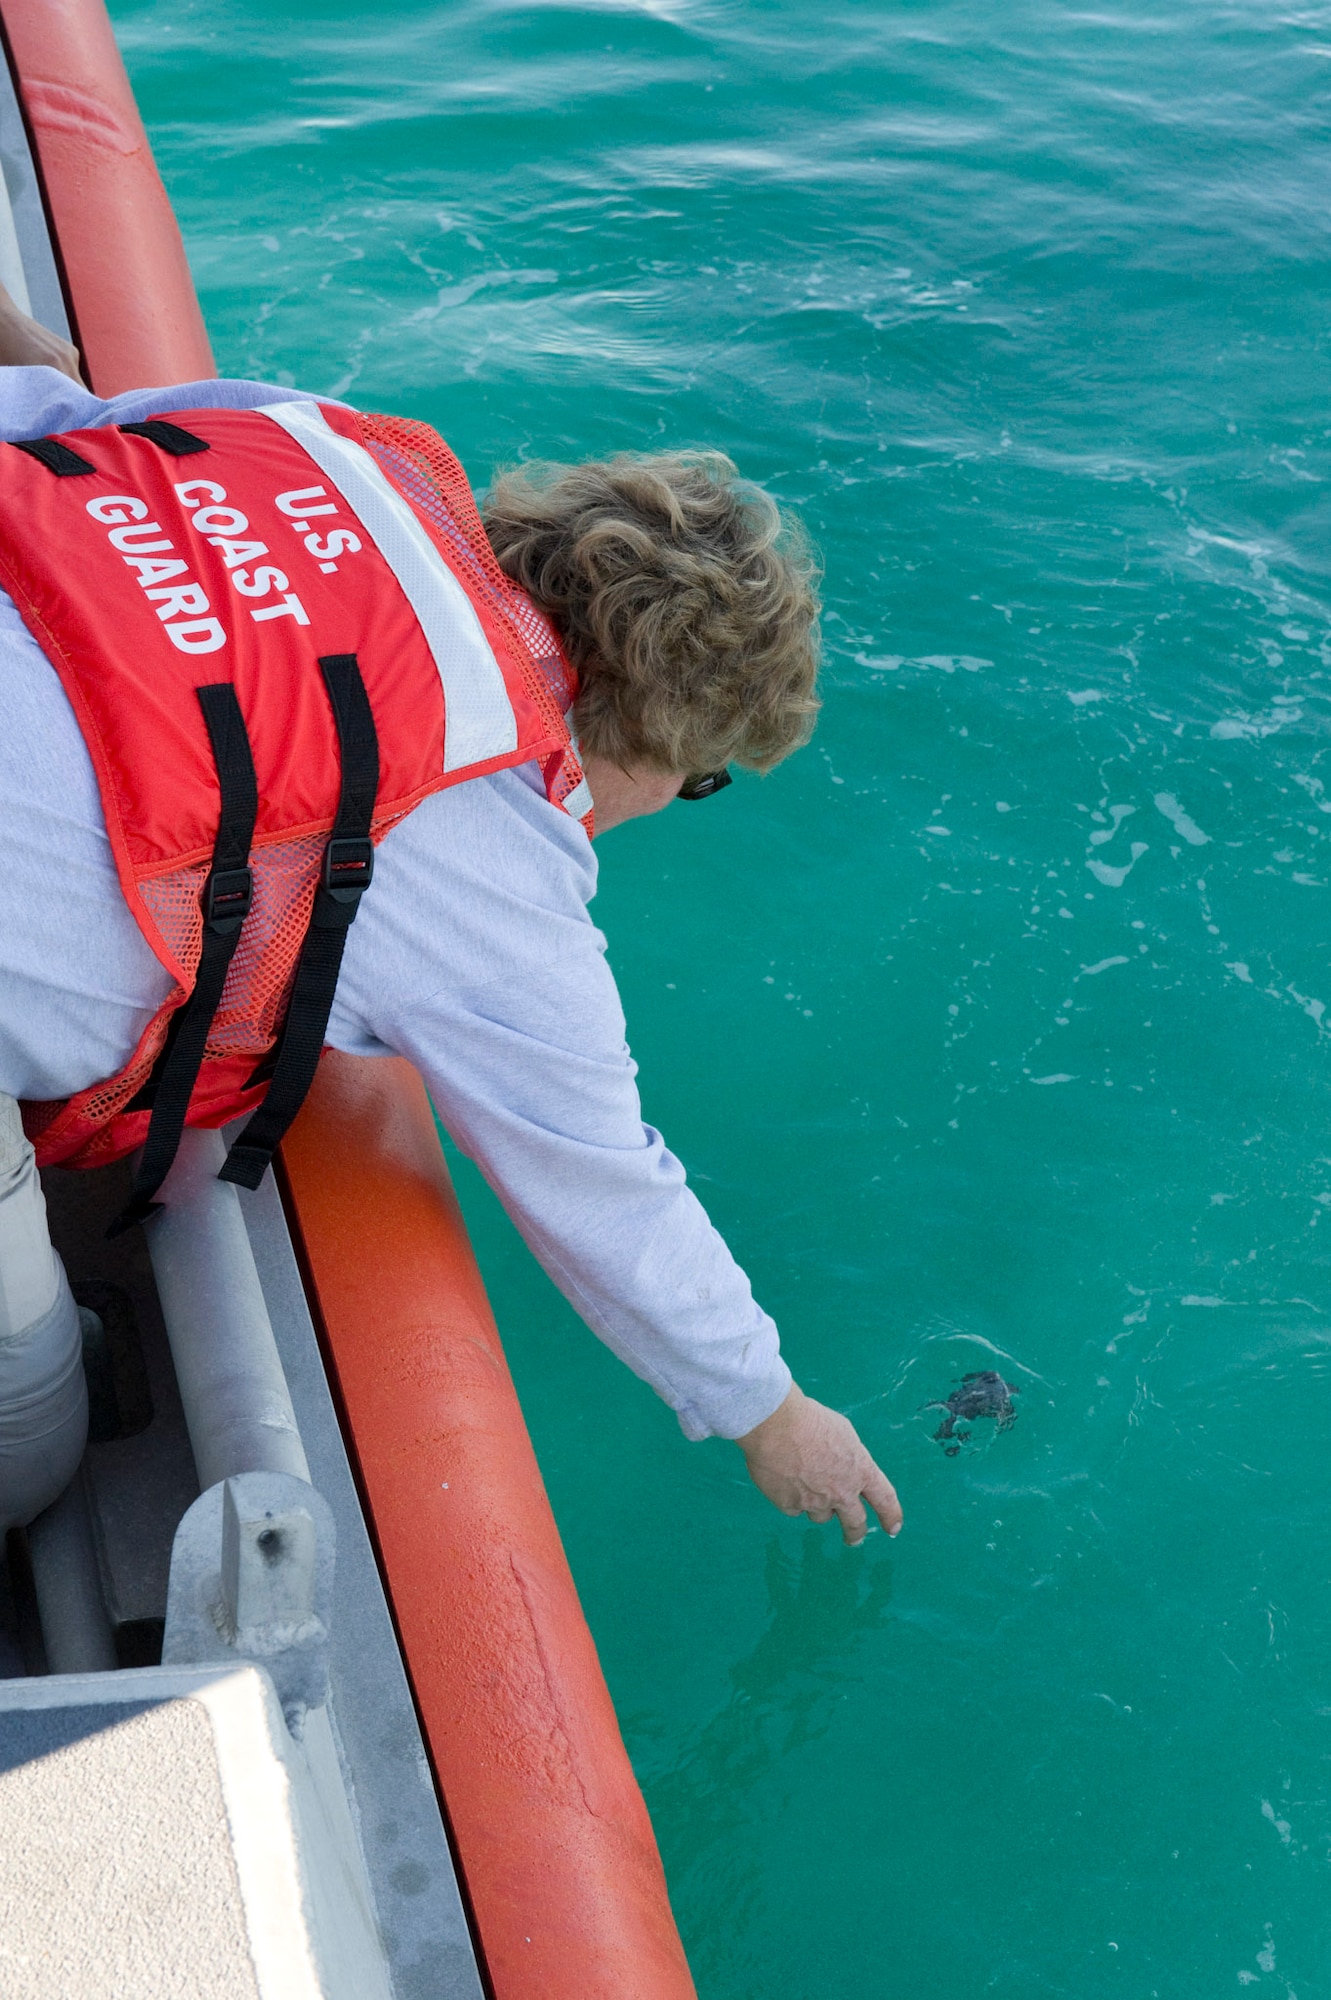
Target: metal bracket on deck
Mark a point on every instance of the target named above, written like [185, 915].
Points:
[252, 1579]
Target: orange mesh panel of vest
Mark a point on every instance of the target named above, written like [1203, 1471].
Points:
[173, 902]
[420, 464]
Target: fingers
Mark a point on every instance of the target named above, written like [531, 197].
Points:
[848, 1506]
[850, 1510]
[26, 343]
[56, 353]
[881, 1495]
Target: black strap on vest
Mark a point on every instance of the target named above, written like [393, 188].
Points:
[168, 437]
[348, 865]
[225, 899]
[56, 457]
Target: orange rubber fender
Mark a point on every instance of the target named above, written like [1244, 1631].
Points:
[135, 313]
[560, 1863]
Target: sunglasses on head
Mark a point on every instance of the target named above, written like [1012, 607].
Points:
[703, 787]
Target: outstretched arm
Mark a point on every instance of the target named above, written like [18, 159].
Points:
[24, 343]
[474, 957]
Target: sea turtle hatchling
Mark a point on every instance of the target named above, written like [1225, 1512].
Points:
[982, 1394]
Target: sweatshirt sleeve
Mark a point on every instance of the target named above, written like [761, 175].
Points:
[40, 402]
[474, 956]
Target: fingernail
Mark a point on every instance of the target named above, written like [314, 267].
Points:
[894, 1532]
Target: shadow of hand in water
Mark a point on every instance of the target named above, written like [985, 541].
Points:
[817, 1611]
[782, 1693]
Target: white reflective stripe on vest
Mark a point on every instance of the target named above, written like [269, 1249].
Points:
[478, 716]
[579, 801]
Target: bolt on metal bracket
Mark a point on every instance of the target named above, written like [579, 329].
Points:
[252, 1579]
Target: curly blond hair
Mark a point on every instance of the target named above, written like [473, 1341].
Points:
[686, 599]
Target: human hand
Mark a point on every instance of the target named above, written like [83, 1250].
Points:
[24, 343]
[809, 1460]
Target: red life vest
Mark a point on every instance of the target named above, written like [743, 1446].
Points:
[280, 630]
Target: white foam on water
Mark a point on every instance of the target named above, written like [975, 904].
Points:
[1314, 788]
[1117, 814]
[943, 663]
[1314, 1009]
[1231, 728]
[1114, 878]
[1183, 824]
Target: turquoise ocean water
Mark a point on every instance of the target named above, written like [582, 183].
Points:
[992, 1029]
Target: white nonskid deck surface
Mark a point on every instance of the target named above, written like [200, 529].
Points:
[117, 1873]
[161, 1834]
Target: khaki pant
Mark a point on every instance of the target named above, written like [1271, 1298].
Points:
[43, 1398]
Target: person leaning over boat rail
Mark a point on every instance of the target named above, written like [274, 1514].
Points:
[686, 607]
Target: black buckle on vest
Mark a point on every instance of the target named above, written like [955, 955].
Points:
[348, 868]
[225, 899]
